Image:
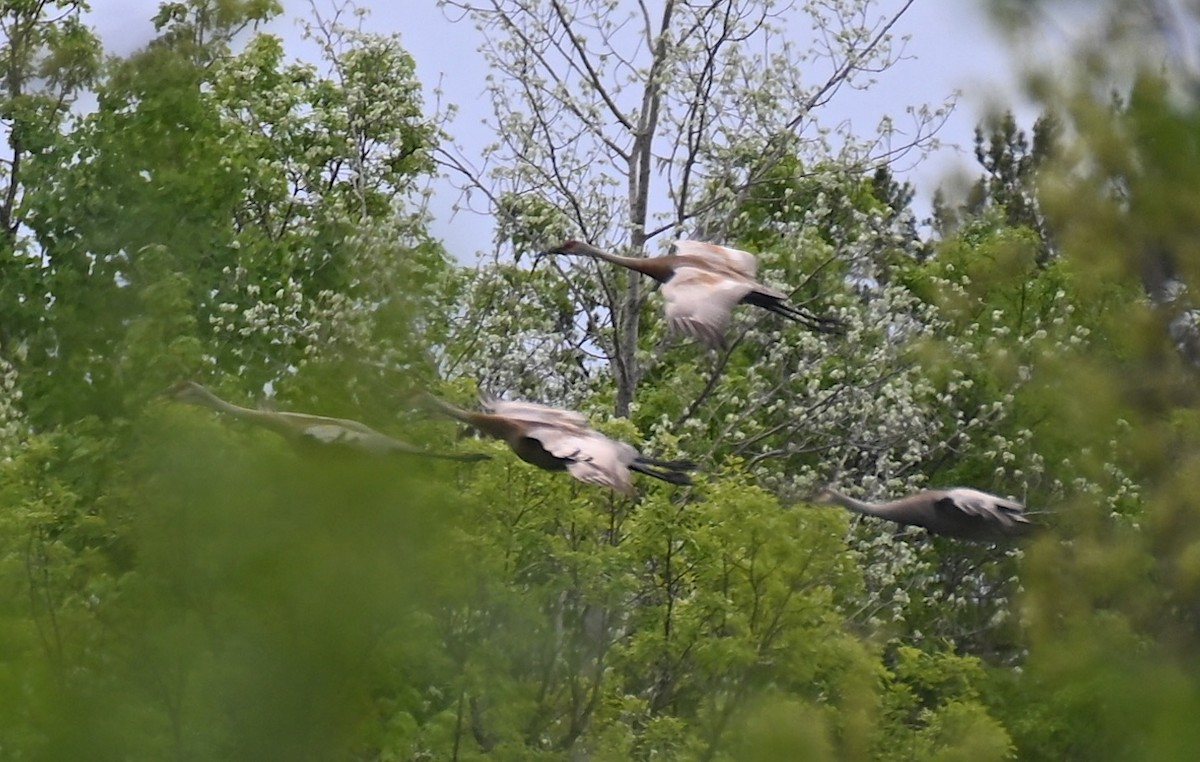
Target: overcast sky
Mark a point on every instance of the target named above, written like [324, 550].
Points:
[952, 47]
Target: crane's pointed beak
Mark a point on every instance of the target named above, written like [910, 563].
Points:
[540, 255]
[173, 389]
[421, 402]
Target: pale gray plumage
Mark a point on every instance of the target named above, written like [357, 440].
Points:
[305, 429]
[702, 283]
[959, 512]
[558, 440]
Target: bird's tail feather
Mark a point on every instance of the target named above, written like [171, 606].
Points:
[775, 303]
[671, 465]
[674, 477]
[818, 323]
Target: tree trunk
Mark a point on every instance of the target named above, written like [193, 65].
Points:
[628, 372]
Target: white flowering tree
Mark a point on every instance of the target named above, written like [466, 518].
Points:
[624, 126]
[271, 216]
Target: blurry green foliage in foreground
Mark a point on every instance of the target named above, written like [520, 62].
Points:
[241, 603]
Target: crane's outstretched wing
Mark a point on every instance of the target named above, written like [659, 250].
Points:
[532, 412]
[363, 439]
[742, 262]
[1008, 516]
[699, 303]
[329, 433]
[590, 456]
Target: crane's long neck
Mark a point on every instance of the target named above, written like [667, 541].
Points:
[858, 506]
[633, 263]
[445, 408]
[205, 398]
[494, 425]
[652, 266]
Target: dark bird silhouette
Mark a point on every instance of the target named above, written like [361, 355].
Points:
[562, 440]
[961, 512]
[311, 430]
[701, 284]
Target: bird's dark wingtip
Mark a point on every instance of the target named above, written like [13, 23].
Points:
[825, 324]
[672, 476]
[681, 465]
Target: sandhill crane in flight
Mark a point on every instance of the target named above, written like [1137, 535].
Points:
[311, 430]
[701, 284]
[562, 440]
[960, 512]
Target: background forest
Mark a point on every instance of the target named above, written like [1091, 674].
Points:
[178, 586]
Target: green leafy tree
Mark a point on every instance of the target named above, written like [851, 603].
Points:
[271, 196]
[1109, 611]
[48, 58]
[1010, 160]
